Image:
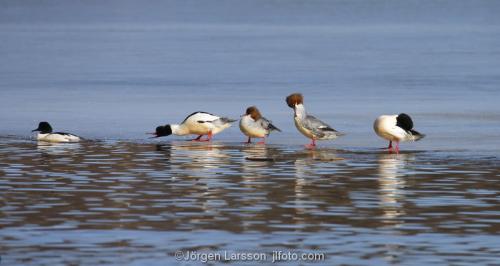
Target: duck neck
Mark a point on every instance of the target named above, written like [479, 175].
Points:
[179, 130]
[300, 111]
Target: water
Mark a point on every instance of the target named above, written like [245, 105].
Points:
[112, 71]
[138, 203]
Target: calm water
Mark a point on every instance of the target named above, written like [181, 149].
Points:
[112, 71]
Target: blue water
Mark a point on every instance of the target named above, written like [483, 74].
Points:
[112, 71]
[115, 71]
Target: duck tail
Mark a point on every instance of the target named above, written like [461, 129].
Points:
[273, 127]
[340, 134]
[227, 120]
[415, 135]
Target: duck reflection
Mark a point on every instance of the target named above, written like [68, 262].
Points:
[57, 148]
[258, 152]
[306, 173]
[257, 164]
[194, 155]
[302, 172]
[325, 155]
[391, 182]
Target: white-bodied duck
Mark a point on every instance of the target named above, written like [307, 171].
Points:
[254, 125]
[45, 134]
[396, 128]
[197, 123]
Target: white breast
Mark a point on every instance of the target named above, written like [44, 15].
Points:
[252, 128]
[306, 132]
[55, 137]
[385, 127]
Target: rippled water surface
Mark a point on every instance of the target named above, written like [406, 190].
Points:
[112, 70]
[138, 203]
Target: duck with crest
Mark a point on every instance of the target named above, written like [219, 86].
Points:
[308, 125]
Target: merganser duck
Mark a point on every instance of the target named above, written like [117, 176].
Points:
[45, 134]
[309, 125]
[197, 123]
[254, 125]
[396, 128]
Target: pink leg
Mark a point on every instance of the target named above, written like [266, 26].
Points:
[263, 141]
[312, 145]
[209, 136]
[397, 147]
[390, 146]
[198, 138]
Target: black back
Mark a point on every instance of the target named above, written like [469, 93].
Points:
[64, 133]
[404, 121]
[194, 114]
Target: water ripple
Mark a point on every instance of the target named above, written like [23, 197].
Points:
[103, 198]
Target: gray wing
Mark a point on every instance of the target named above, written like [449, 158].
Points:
[267, 124]
[317, 126]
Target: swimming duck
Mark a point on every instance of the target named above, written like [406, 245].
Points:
[309, 125]
[396, 128]
[254, 125]
[45, 134]
[197, 123]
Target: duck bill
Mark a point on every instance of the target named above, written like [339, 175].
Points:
[154, 135]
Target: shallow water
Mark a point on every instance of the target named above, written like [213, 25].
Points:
[139, 203]
[111, 71]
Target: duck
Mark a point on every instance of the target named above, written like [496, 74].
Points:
[254, 125]
[198, 123]
[45, 134]
[396, 128]
[308, 125]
